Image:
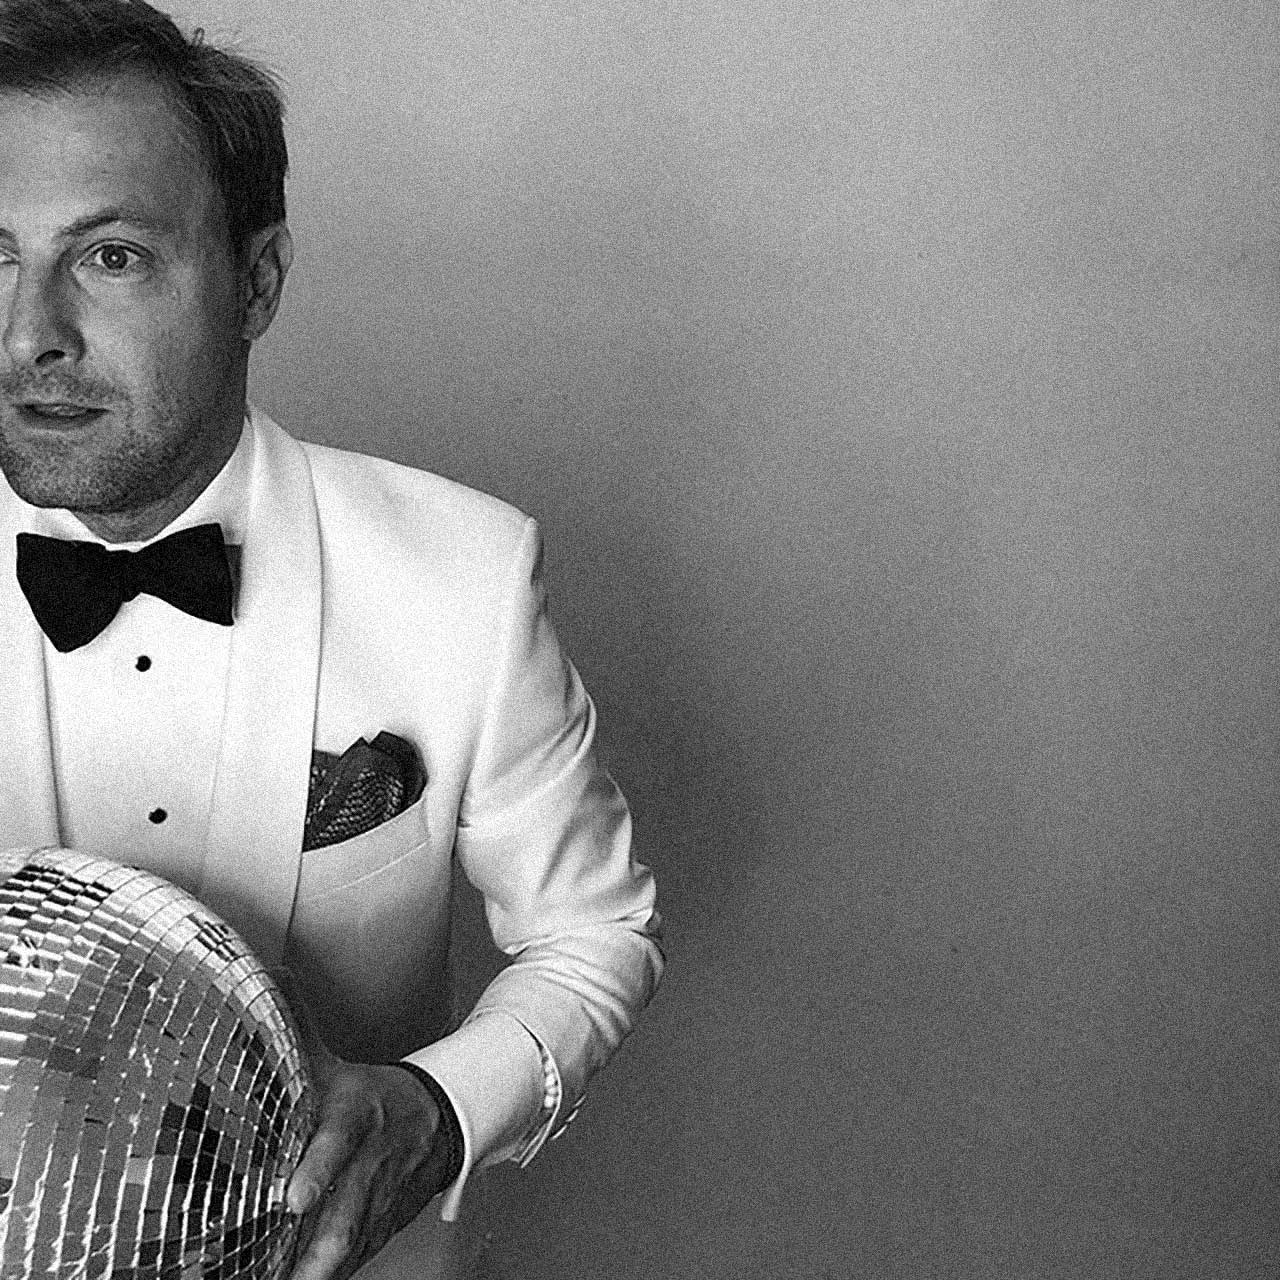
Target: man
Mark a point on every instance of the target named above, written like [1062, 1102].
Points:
[363, 612]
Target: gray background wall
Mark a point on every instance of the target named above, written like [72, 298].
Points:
[897, 385]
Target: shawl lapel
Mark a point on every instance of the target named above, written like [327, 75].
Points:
[28, 806]
[260, 787]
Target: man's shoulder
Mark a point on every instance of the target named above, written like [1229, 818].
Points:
[384, 525]
[388, 491]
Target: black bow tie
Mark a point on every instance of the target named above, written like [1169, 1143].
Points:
[76, 588]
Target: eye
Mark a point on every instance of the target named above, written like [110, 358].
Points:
[115, 259]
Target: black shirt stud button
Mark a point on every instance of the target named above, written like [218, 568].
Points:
[143, 663]
[157, 816]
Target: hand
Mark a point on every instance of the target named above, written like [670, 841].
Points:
[375, 1160]
[373, 1164]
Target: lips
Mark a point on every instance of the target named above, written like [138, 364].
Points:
[59, 411]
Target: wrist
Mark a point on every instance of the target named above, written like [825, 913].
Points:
[449, 1127]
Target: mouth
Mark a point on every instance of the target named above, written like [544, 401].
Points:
[61, 412]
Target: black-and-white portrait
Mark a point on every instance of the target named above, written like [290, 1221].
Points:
[845, 429]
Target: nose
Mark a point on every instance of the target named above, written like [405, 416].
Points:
[42, 328]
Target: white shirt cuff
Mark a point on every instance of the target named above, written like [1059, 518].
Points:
[492, 1069]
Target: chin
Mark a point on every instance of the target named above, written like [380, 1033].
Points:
[40, 485]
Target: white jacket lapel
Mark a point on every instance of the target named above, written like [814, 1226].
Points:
[260, 788]
[28, 806]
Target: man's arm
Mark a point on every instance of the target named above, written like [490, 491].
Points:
[545, 835]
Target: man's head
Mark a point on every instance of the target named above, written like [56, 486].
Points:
[142, 250]
[230, 106]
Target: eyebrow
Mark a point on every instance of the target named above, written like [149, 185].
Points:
[107, 217]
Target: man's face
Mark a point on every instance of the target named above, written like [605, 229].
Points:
[123, 364]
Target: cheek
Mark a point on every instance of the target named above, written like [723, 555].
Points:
[183, 334]
[179, 357]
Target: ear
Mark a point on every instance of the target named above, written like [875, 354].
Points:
[267, 259]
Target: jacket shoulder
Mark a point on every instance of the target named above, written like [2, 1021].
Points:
[394, 506]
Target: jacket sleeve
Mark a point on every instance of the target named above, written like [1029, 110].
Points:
[545, 835]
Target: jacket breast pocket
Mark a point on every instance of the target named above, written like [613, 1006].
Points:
[338, 866]
[369, 939]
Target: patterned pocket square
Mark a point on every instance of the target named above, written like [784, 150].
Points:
[369, 784]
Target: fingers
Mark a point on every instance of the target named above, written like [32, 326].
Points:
[344, 1121]
[341, 1240]
[374, 1197]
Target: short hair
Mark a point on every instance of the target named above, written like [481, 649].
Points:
[232, 105]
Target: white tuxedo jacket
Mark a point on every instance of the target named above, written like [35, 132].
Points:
[394, 599]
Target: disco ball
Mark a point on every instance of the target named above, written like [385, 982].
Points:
[154, 1099]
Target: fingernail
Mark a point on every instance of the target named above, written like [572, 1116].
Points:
[301, 1198]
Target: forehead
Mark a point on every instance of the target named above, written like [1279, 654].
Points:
[119, 143]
